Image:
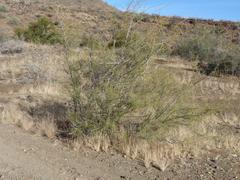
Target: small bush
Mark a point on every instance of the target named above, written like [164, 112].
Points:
[101, 88]
[220, 68]
[112, 85]
[3, 36]
[195, 48]
[121, 38]
[3, 8]
[216, 54]
[13, 21]
[43, 31]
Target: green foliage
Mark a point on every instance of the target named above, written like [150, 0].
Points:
[3, 36]
[124, 32]
[195, 48]
[109, 86]
[164, 103]
[102, 86]
[3, 8]
[13, 21]
[42, 31]
[123, 37]
[215, 53]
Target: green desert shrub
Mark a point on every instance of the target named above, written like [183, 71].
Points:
[114, 90]
[3, 8]
[42, 31]
[101, 88]
[14, 21]
[3, 36]
[215, 53]
[195, 47]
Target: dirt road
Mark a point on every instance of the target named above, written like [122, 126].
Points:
[24, 156]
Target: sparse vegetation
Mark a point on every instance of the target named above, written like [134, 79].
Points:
[42, 31]
[114, 83]
[13, 21]
[2, 36]
[120, 38]
[3, 8]
[215, 53]
[2, 16]
[110, 85]
[102, 85]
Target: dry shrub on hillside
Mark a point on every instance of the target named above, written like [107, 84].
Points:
[120, 100]
[42, 31]
[102, 85]
[117, 95]
[3, 8]
[3, 36]
[216, 54]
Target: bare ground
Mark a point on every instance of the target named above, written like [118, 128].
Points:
[24, 156]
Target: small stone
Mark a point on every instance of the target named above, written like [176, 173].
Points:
[123, 177]
[11, 47]
[213, 160]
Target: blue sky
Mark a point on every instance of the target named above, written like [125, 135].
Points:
[207, 9]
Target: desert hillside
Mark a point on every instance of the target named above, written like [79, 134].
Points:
[90, 92]
[95, 16]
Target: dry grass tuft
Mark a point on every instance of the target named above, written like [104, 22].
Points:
[97, 142]
[159, 155]
[27, 124]
[48, 128]
[77, 144]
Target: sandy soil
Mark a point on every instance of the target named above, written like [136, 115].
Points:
[25, 156]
